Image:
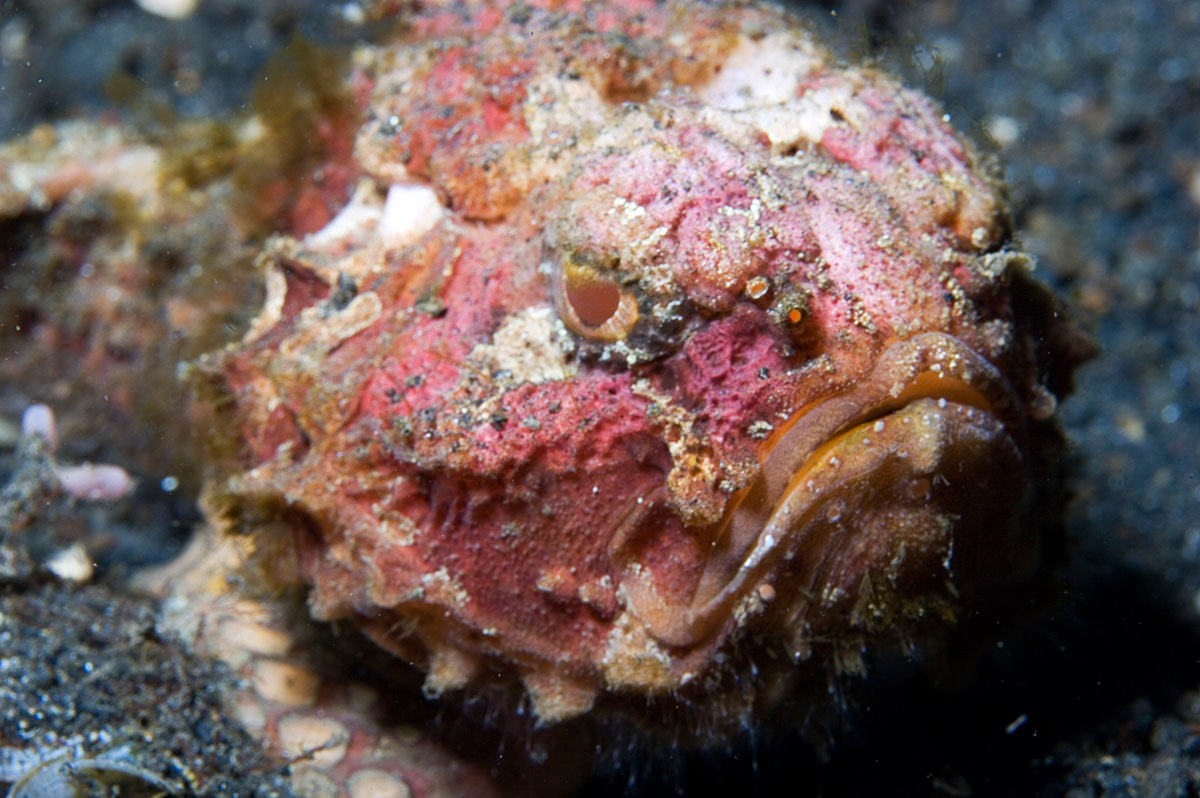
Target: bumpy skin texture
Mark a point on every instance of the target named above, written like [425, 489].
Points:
[670, 332]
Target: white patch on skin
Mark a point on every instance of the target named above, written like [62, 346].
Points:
[559, 107]
[528, 346]
[759, 86]
[762, 73]
[410, 211]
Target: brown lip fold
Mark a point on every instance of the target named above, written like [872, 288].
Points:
[929, 401]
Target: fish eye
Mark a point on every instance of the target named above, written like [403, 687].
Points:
[594, 299]
[591, 302]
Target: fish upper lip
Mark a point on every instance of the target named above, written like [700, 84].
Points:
[927, 366]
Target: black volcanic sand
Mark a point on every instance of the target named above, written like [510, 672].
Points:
[88, 664]
[1095, 109]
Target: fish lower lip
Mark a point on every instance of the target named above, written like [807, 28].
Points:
[931, 414]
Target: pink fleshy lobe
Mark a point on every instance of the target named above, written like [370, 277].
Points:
[39, 420]
[95, 481]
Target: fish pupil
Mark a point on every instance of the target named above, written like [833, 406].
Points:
[594, 300]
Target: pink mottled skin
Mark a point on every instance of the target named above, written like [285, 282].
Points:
[798, 285]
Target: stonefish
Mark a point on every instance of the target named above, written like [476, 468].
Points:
[656, 354]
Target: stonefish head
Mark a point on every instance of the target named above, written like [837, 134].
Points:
[653, 345]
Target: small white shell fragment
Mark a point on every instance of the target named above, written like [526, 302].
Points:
[72, 564]
[171, 9]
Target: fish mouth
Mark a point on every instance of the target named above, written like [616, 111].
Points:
[905, 481]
